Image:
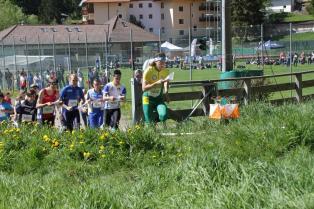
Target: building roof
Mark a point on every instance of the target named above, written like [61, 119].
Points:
[118, 30]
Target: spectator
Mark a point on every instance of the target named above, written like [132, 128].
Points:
[138, 76]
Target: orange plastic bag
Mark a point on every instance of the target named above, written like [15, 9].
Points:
[227, 111]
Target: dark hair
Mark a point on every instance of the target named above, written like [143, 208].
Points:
[30, 93]
[96, 80]
[117, 72]
[1, 95]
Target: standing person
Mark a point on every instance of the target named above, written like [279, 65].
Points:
[30, 79]
[94, 99]
[37, 81]
[1, 80]
[47, 98]
[80, 79]
[71, 96]
[113, 92]
[9, 79]
[154, 86]
[26, 110]
[17, 80]
[5, 109]
[23, 80]
[90, 76]
[138, 76]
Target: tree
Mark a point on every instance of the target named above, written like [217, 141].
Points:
[310, 7]
[246, 13]
[10, 14]
[29, 7]
[134, 21]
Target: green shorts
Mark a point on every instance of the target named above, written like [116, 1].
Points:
[153, 106]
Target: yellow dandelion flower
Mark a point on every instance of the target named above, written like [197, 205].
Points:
[71, 146]
[55, 144]
[86, 154]
[154, 156]
[137, 127]
[46, 138]
[81, 142]
[121, 142]
[102, 147]
[103, 156]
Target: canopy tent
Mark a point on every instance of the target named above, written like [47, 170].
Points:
[23, 60]
[170, 47]
[269, 45]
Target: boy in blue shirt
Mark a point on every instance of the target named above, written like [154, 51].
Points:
[94, 99]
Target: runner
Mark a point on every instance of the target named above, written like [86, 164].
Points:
[113, 92]
[26, 110]
[154, 86]
[5, 109]
[71, 96]
[94, 99]
[47, 98]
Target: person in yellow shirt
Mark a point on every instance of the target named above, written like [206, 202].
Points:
[154, 86]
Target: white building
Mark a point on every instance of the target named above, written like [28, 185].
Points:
[169, 18]
[282, 5]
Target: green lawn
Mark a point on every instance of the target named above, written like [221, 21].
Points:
[294, 17]
[262, 160]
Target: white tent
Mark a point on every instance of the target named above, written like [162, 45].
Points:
[170, 47]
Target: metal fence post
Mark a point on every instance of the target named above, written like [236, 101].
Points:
[54, 52]
[69, 59]
[86, 50]
[41, 66]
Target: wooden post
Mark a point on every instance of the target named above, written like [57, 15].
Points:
[298, 87]
[205, 104]
[247, 91]
[137, 109]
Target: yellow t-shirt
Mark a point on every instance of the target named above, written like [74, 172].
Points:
[151, 75]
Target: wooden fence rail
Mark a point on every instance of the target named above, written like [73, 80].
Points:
[245, 91]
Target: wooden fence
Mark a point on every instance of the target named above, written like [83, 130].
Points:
[245, 91]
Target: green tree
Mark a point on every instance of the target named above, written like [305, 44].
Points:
[246, 13]
[29, 7]
[310, 7]
[10, 14]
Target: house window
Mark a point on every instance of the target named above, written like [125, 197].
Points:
[181, 21]
[150, 5]
[195, 28]
[162, 16]
[120, 15]
[130, 5]
[180, 8]
[119, 4]
[140, 5]
[150, 16]
[181, 32]
[141, 16]
[163, 30]
[162, 5]
[151, 30]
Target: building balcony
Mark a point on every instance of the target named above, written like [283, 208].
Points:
[209, 6]
[209, 18]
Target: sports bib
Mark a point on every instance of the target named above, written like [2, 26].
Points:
[154, 92]
[97, 104]
[2, 114]
[72, 103]
[48, 110]
[27, 118]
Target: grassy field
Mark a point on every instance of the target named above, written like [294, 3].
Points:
[262, 160]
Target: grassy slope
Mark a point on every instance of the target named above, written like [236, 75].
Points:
[263, 160]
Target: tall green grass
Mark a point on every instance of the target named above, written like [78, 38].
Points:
[262, 160]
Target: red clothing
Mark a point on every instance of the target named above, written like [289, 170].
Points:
[7, 100]
[49, 98]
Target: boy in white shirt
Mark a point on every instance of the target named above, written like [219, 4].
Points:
[113, 93]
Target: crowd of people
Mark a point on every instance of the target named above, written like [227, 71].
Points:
[98, 107]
